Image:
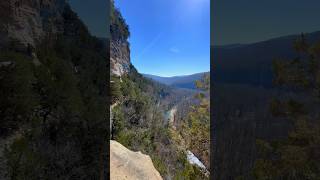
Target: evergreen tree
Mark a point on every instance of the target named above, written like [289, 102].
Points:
[297, 156]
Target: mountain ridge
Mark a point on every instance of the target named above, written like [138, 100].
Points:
[290, 36]
[252, 63]
[183, 81]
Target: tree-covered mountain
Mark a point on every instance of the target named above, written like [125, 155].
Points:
[186, 82]
[255, 120]
[53, 85]
[252, 63]
[296, 156]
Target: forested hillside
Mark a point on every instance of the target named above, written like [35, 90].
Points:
[260, 131]
[252, 63]
[139, 108]
[297, 155]
[185, 82]
[53, 100]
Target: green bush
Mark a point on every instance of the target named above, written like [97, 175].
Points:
[117, 122]
[119, 28]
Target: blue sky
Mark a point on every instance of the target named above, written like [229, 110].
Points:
[247, 21]
[168, 37]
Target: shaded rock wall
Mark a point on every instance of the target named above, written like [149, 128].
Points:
[28, 21]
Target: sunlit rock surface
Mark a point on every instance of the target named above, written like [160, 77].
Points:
[129, 165]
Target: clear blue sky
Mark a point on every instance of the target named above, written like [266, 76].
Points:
[168, 37]
[246, 21]
[93, 13]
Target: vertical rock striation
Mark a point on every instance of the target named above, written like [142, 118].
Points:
[28, 21]
[119, 57]
[119, 45]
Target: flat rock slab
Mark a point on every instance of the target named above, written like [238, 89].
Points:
[129, 165]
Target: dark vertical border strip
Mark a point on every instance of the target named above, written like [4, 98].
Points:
[212, 123]
[106, 174]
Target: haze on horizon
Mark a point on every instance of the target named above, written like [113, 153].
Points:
[250, 21]
[182, 75]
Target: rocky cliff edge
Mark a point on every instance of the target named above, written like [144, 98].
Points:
[129, 165]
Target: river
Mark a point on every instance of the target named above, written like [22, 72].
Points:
[192, 159]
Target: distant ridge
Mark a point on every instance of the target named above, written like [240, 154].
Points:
[252, 63]
[184, 81]
[310, 35]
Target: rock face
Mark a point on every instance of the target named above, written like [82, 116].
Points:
[125, 164]
[119, 45]
[128, 165]
[27, 21]
[119, 57]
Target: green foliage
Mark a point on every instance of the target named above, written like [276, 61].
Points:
[286, 108]
[204, 83]
[138, 118]
[196, 130]
[23, 161]
[17, 97]
[263, 170]
[115, 89]
[142, 127]
[188, 171]
[117, 122]
[129, 89]
[300, 44]
[62, 104]
[275, 108]
[159, 164]
[295, 157]
[118, 26]
[56, 109]
[291, 74]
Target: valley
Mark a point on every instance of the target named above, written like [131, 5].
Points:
[163, 121]
[180, 82]
[251, 83]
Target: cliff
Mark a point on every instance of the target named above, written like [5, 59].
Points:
[119, 57]
[136, 118]
[28, 21]
[126, 164]
[119, 46]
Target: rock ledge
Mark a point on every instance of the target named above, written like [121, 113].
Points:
[129, 165]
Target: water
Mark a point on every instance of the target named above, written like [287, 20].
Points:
[194, 160]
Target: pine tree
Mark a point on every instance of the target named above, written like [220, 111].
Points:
[297, 156]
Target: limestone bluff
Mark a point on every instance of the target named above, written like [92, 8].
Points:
[29, 21]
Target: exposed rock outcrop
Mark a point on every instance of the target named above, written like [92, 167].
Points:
[124, 164]
[119, 45]
[128, 165]
[119, 57]
[27, 21]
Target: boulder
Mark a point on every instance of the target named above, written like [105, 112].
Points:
[129, 165]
